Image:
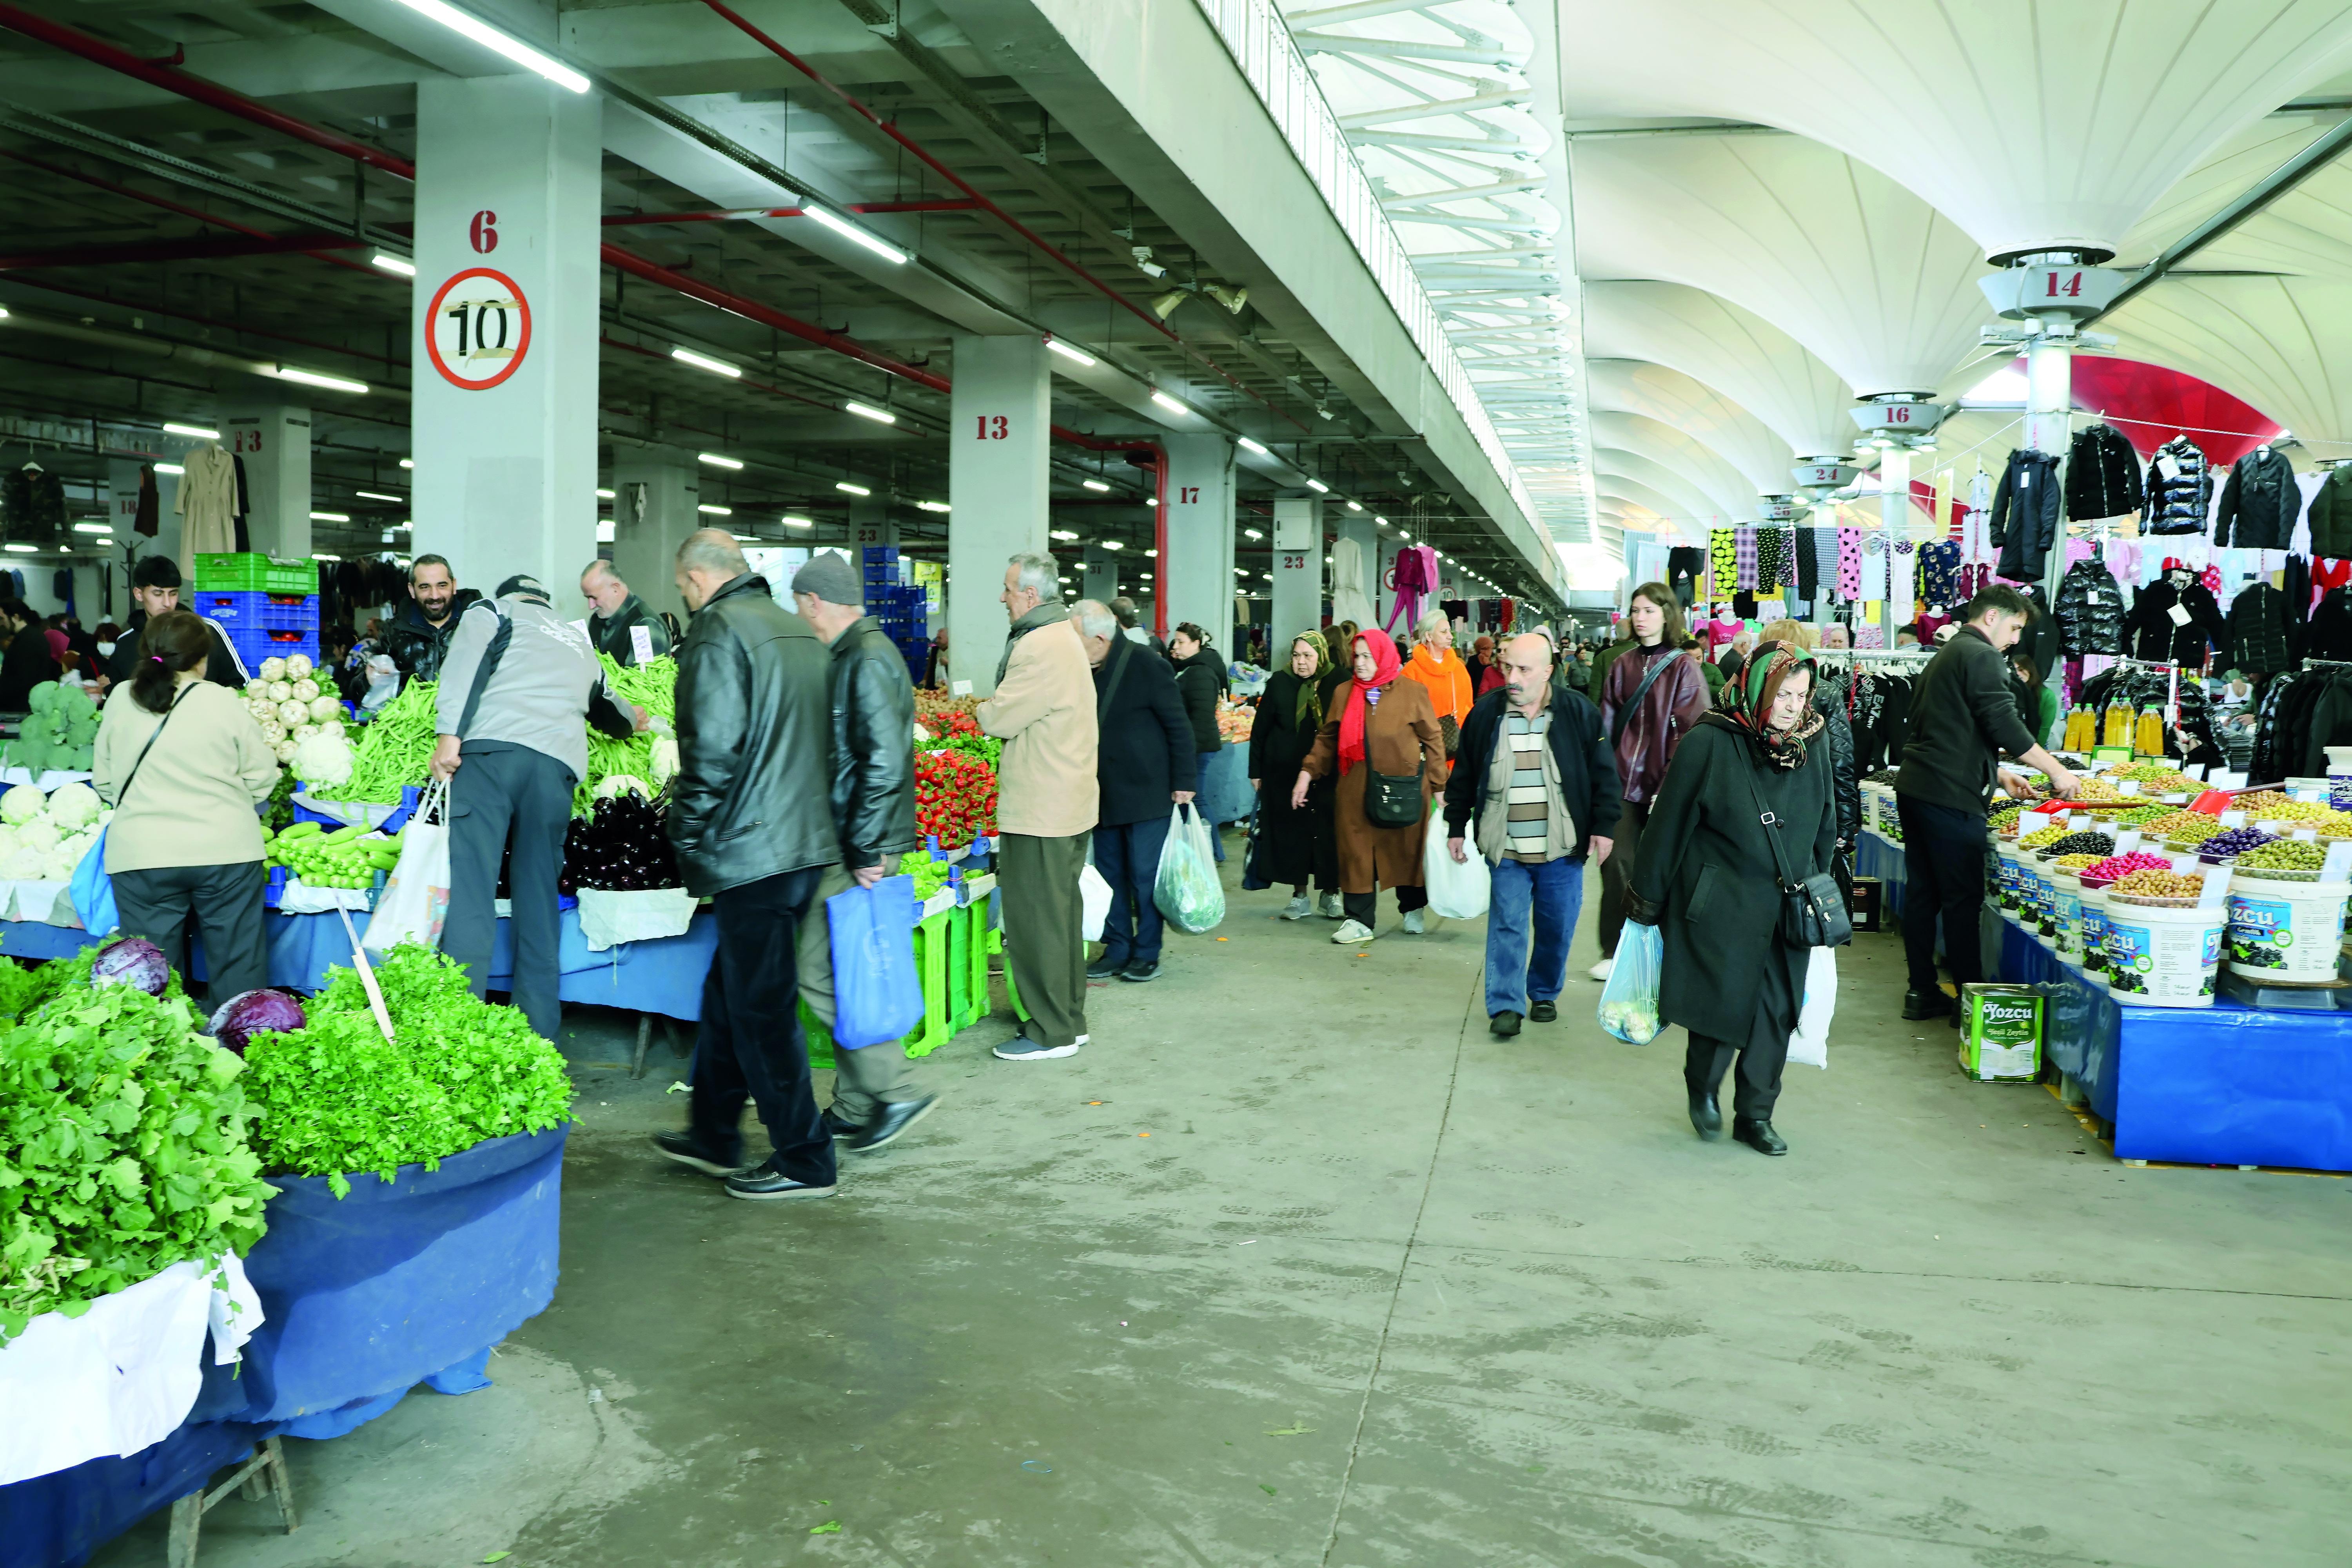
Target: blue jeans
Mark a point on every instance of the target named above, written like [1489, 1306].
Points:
[1201, 760]
[1550, 895]
[1128, 857]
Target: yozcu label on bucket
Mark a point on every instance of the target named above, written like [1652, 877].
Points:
[2285, 930]
[2163, 958]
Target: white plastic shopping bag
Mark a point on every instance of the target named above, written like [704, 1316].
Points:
[1457, 889]
[416, 900]
[1810, 1045]
[1094, 901]
[1629, 1003]
[1186, 888]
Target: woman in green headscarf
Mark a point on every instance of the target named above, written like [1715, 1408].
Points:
[1294, 846]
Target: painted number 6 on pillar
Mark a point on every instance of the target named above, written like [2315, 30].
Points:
[477, 329]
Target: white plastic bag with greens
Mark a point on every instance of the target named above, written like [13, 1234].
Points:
[1187, 889]
[1629, 1003]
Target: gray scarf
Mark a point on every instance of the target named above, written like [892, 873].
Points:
[1045, 615]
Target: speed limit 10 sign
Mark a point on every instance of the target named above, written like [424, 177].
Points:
[477, 329]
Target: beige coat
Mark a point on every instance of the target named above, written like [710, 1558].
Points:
[1044, 711]
[1400, 737]
[192, 802]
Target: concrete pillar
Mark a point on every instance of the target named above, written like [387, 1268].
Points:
[998, 430]
[654, 492]
[1894, 516]
[1297, 573]
[1196, 570]
[870, 523]
[271, 437]
[509, 197]
[1099, 580]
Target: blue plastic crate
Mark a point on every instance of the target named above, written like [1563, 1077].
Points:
[882, 553]
[254, 643]
[245, 608]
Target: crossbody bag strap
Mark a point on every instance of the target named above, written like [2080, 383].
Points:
[124, 792]
[1625, 714]
[1771, 821]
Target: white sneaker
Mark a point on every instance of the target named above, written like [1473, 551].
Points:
[1332, 909]
[1600, 970]
[1298, 909]
[1413, 924]
[1352, 931]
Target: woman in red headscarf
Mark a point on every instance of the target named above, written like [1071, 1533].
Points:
[1376, 724]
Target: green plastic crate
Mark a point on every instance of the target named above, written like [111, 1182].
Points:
[256, 573]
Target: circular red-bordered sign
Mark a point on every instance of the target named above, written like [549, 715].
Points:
[477, 329]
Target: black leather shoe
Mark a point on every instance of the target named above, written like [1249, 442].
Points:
[1105, 967]
[1708, 1117]
[683, 1148]
[1543, 1013]
[1759, 1136]
[1140, 972]
[1918, 1008]
[890, 1121]
[841, 1126]
[763, 1182]
[1504, 1023]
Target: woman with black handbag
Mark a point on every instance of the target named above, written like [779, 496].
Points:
[1380, 735]
[1735, 873]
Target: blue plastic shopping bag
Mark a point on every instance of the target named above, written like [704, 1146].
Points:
[1629, 1003]
[93, 890]
[876, 995]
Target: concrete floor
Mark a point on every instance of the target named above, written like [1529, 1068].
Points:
[1297, 1265]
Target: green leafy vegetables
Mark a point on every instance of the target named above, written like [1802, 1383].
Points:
[336, 1096]
[125, 1150]
[395, 748]
[652, 687]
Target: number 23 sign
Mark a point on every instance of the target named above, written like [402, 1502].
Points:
[477, 329]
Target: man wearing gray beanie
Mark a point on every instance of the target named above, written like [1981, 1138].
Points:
[873, 773]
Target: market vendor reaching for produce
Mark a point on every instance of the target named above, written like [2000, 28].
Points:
[184, 840]
[515, 684]
[156, 591]
[1964, 716]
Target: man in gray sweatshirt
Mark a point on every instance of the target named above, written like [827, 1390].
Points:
[516, 685]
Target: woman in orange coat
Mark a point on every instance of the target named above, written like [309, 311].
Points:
[1437, 667]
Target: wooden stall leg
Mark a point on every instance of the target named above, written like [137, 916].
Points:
[187, 1518]
[645, 1029]
[281, 1482]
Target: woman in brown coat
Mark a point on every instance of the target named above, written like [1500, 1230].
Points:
[1376, 723]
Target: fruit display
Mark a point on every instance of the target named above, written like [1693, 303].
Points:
[929, 876]
[2284, 855]
[960, 732]
[2150, 883]
[2094, 791]
[2154, 778]
[44, 838]
[2119, 866]
[2140, 816]
[2296, 811]
[2074, 862]
[618, 847]
[287, 700]
[1234, 721]
[955, 797]
[59, 731]
[2091, 844]
[2233, 841]
[348, 858]
[2004, 821]
[2041, 837]
[932, 709]
[2184, 827]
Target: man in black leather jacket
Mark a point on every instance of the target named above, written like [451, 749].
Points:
[751, 820]
[873, 701]
[418, 638]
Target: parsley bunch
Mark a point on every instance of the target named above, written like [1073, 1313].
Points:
[336, 1096]
[123, 1151]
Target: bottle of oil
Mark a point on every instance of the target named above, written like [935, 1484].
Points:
[2150, 740]
[2118, 726]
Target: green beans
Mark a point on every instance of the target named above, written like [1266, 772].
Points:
[394, 750]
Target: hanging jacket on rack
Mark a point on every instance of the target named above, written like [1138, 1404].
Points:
[2257, 629]
[2102, 474]
[2331, 627]
[2025, 514]
[2136, 688]
[2090, 610]
[145, 519]
[2150, 632]
[2260, 503]
[33, 505]
[2331, 515]
[2179, 488]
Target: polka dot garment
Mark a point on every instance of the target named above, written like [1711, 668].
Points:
[1849, 567]
[1723, 554]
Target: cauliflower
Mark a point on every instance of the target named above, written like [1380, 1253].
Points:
[305, 690]
[297, 666]
[291, 713]
[257, 688]
[21, 805]
[273, 669]
[281, 691]
[325, 708]
[74, 805]
[37, 837]
[272, 731]
[665, 761]
[283, 751]
[23, 865]
[322, 759]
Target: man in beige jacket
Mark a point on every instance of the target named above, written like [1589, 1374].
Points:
[1044, 711]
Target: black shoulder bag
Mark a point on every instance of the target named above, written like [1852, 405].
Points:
[1812, 912]
[1391, 800]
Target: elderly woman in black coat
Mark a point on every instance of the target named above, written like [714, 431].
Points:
[1710, 879]
[1295, 846]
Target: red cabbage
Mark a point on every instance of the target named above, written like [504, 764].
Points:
[250, 1013]
[131, 960]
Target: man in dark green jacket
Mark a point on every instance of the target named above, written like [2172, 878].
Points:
[1964, 717]
[617, 613]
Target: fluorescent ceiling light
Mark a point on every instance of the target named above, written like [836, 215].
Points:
[709, 511]
[198, 431]
[845, 488]
[867, 411]
[1382, 521]
[1062, 534]
[376, 495]
[170, 468]
[499, 43]
[406, 464]
[312, 378]
[1249, 445]
[932, 506]
[1266, 576]
[1151, 501]
[1151, 554]
[1319, 487]
[1252, 534]
[704, 362]
[1067, 351]
[1355, 506]
[19, 549]
[847, 230]
[603, 494]
[744, 537]
[1094, 484]
[1403, 536]
[331, 517]
[717, 461]
[92, 528]
[321, 555]
[1168, 403]
[1113, 544]
[398, 266]
[799, 522]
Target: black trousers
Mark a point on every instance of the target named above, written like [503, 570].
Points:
[1756, 1089]
[1364, 908]
[750, 1045]
[506, 795]
[225, 901]
[1944, 875]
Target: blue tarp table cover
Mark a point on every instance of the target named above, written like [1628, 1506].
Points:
[2225, 1085]
[1225, 793]
[1881, 859]
[34, 939]
[57, 1520]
